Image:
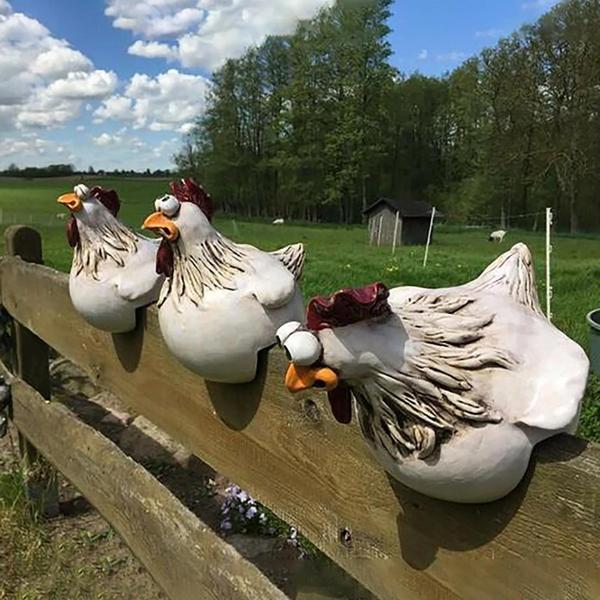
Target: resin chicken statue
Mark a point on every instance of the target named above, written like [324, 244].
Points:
[452, 387]
[222, 302]
[113, 270]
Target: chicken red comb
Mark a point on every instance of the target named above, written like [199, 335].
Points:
[348, 306]
[187, 190]
[109, 198]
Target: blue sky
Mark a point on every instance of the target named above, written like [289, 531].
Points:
[117, 83]
[434, 36]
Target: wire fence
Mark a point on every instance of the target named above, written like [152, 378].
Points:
[533, 221]
[548, 219]
[540, 217]
[40, 220]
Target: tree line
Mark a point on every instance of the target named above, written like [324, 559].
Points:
[67, 170]
[318, 124]
[58, 170]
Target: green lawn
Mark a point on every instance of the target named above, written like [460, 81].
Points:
[340, 256]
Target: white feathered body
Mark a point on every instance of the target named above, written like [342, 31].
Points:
[221, 338]
[224, 303]
[510, 378]
[113, 274]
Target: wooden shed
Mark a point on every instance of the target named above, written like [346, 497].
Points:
[407, 218]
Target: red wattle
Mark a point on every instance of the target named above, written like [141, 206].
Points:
[340, 400]
[72, 232]
[164, 259]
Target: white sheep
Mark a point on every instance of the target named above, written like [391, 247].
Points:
[278, 221]
[497, 236]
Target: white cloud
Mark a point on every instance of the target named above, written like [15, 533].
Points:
[451, 56]
[106, 139]
[44, 80]
[19, 30]
[23, 145]
[186, 128]
[5, 8]
[125, 149]
[80, 128]
[169, 101]
[489, 33]
[33, 150]
[15, 89]
[46, 112]
[115, 107]
[165, 147]
[60, 61]
[206, 32]
[423, 54]
[81, 85]
[152, 50]
[156, 18]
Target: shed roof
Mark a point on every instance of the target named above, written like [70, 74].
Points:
[407, 205]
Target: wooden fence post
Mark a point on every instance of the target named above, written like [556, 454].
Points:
[31, 363]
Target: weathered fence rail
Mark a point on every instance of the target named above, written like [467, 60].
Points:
[543, 541]
[166, 537]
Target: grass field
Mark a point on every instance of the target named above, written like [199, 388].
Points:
[77, 558]
[340, 256]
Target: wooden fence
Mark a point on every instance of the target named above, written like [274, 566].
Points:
[542, 542]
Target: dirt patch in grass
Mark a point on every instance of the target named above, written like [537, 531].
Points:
[76, 555]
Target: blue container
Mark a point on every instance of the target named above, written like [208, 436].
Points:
[593, 319]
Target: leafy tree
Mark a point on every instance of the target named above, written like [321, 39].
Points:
[316, 125]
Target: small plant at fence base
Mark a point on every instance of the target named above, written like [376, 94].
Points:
[240, 513]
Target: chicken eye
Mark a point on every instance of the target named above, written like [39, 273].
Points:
[284, 332]
[302, 348]
[157, 204]
[169, 205]
[82, 191]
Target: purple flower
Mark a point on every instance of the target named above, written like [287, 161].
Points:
[251, 512]
[226, 525]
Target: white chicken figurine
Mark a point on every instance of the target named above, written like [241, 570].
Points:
[452, 387]
[222, 302]
[113, 270]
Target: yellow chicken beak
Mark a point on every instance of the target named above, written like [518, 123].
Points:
[161, 224]
[71, 201]
[300, 378]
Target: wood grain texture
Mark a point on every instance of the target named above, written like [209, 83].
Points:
[543, 541]
[31, 358]
[185, 557]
